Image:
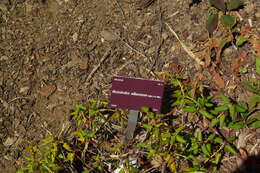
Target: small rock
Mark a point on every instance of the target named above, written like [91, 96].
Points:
[28, 7]
[83, 64]
[75, 37]
[257, 15]
[9, 141]
[108, 35]
[24, 90]
[47, 90]
[3, 7]
[4, 58]
[173, 48]
[151, 50]
[227, 51]
[249, 8]
[165, 36]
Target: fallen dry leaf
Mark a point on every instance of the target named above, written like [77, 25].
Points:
[47, 90]
[255, 41]
[257, 48]
[83, 64]
[243, 153]
[219, 81]
[157, 161]
[206, 54]
[245, 30]
[238, 63]
[213, 42]
[206, 123]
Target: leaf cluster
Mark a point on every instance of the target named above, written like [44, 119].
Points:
[189, 134]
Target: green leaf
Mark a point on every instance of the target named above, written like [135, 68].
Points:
[212, 23]
[180, 139]
[257, 63]
[195, 161]
[172, 140]
[253, 101]
[188, 102]
[218, 140]
[230, 149]
[228, 21]
[198, 134]
[219, 4]
[70, 157]
[252, 86]
[222, 119]
[144, 109]
[224, 98]
[148, 127]
[221, 108]
[20, 171]
[66, 146]
[189, 109]
[234, 4]
[194, 147]
[217, 158]
[209, 148]
[204, 150]
[232, 111]
[240, 108]
[201, 102]
[241, 40]
[211, 137]
[231, 139]
[150, 115]
[179, 129]
[236, 125]
[209, 105]
[204, 113]
[141, 144]
[213, 122]
[255, 124]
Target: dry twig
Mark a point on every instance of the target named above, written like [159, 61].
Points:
[107, 53]
[157, 53]
[189, 52]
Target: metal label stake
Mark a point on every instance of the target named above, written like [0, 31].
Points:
[131, 125]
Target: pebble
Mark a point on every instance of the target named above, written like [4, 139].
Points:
[228, 51]
[257, 15]
[9, 141]
[4, 58]
[24, 90]
[165, 36]
[75, 37]
[108, 35]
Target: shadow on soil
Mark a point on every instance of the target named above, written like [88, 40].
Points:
[167, 98]
[251, 165]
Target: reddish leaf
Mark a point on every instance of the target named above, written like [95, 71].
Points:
[212, 43]
[219, 81]
[245, 30]
[238, 63]
[212, 23]
[243, 153]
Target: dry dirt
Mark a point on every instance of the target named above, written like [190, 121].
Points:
[57, 53]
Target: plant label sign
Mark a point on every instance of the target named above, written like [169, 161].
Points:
[133, 93]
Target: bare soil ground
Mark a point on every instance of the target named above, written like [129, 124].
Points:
[57, 53]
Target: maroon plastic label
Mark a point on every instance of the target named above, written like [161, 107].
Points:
[133, 93]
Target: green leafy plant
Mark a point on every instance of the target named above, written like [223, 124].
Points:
[188, 134]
